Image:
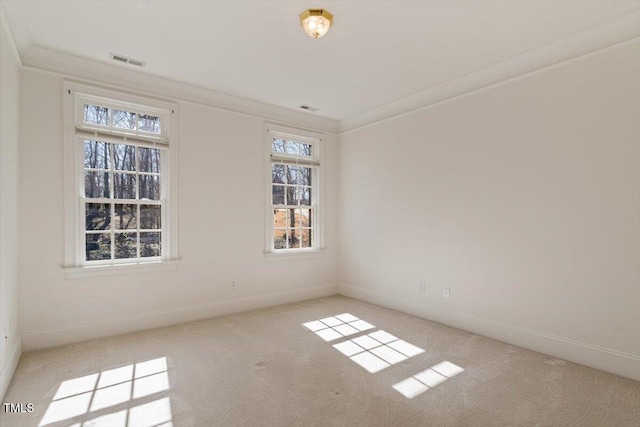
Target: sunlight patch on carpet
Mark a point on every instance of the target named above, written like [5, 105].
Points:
[122, 386]
[334, 327]
[427, 379]
[377, 350]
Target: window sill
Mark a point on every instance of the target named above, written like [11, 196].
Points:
[113, 269]
[285, 256]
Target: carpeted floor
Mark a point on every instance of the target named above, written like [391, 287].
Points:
[266, 368]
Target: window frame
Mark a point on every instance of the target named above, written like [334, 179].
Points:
[317, 187]
[75, 96]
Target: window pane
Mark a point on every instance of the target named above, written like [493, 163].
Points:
[305, 217]
[125, 217]
[124, 157]
[293, 148]
[305, 196]
[124, 185]
[96, 155]
[293, 172]
[278, 194]
[294, 218]
[96, 184]
[148, 123]
[125, 245]
[280, 218]
[306, 238]
[124, 119]
[96, 115]
[277, 174]
[149, 187]
[305, 176]
[305, 150]
[277, 146]
[97, 216]
[291, 196]
[294, 240]
[280, 239]
[98, 246]
[150, 244]
[150, 217]
[149, 160]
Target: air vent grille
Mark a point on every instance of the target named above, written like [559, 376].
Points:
[126, 60]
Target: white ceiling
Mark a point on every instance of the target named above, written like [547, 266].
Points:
[377, 52]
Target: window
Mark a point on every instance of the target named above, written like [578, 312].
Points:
[293, 214]
[120, 151]
[121, 204]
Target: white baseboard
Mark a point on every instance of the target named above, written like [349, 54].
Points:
[104, 328]
[9, 368]
[615, 362]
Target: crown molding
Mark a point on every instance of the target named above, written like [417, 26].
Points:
[115, 75]
[8, 33]
[615, 31]
[609, 33]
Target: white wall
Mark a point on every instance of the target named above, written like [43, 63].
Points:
[220, 231]
[523, 198]
[9, 101]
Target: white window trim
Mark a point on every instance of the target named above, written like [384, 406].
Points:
[115, 269]
[300, 135]
[74, 175]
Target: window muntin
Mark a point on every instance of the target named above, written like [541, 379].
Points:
[294, 168]
[116, 119]
[122, 205]
[292, 148]
[291, 192]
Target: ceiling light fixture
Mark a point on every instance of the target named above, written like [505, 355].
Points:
[316, 22]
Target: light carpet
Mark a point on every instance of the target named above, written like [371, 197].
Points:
[266, 368]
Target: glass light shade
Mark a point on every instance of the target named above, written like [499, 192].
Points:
[316, 22]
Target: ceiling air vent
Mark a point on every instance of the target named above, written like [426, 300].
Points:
[309, 108]
[122, 58]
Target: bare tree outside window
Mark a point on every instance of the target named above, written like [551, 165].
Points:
[115, 173]
[292, 189]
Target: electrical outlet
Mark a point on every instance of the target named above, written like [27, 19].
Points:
[234, 285]
[422, 286]
[446, 293]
